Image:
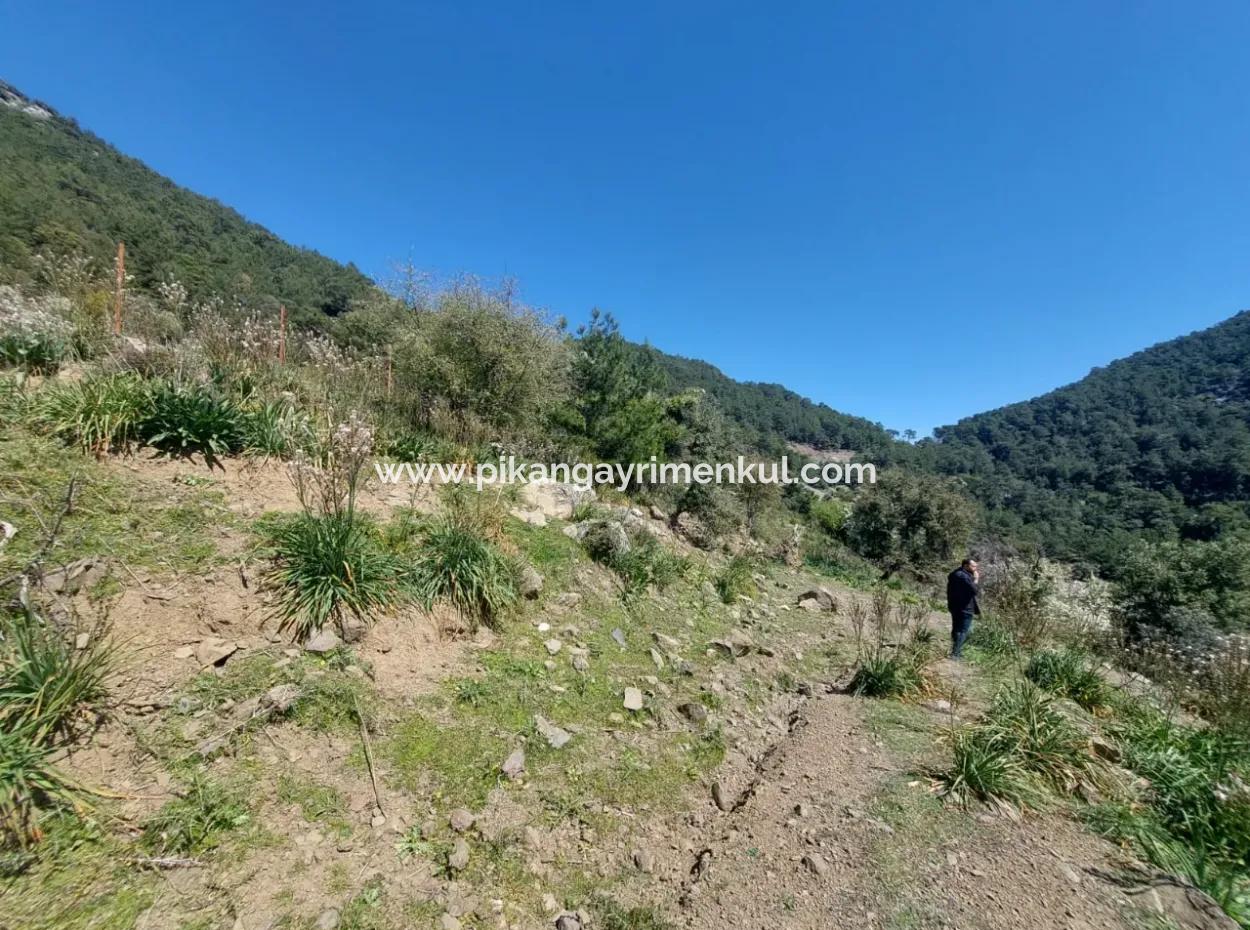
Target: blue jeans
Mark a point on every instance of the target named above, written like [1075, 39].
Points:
[961, 627]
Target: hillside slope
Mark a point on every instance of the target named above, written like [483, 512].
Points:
[63, 189]
[1157, 444]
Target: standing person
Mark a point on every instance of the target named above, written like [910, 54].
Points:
[961, 601]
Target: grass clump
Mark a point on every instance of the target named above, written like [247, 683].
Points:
[993, 639]
[188, 419]
[454, 565]
[100, 414]
[45, 684]
[1023, 746]
[197, 821]
[890, 675]
[736, 579]
[330, 565]
[1068, 673]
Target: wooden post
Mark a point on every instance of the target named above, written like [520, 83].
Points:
[282, 334]
[390, 371]
[121, 285]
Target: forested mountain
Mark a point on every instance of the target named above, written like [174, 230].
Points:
[63, 190]
[1156, 444]
[772, 415]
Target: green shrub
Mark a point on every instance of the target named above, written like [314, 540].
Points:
[888, 676]
[184, 420]
[646, 564]
[44, 680]
[993, 638]
[1067, 672]
[273, 429]
[736, 579]
[1022, 745]
[38, 352]
[100, 414]
[458, 567]
[328, 566]
[194, 823]
[28, 781]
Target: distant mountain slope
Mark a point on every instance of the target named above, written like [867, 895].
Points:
[62, 188]
[1156, 443]
[772, 415]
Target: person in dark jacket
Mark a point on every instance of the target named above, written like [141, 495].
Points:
[961, 601]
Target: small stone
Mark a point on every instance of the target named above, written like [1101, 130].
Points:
[447, 922]
[657, 659]
[643, 861]
[459, 857]
[816, 864]
[553, 646]
[693, 711]
[530, 583]
[554, 735]
[633, 699]
[461, 820]
[328, 919]
[184, 652]
[214, 651]
[619, 635]
[514, 766]
[568, 922]
[719, 798]
[323, 641]
[82, 640]
[581, 663]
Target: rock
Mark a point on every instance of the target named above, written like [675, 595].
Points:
[461, 820]
[604, 539]
[580, 662]
[76, 576]
[822, 596]
[1105, 750]
[693, 711]
[810, 603]
[643, 861]
[447, 922]
[459, 857]
[328, 919]
[568, 599]
[529, 582]
[735, 645]
[938, 705]
[657, 659]
[633, 699]
[184, 652]
[619, 635]
[816, 864]
[553, 646]
[323, 641]
[514, 766]
[568, 922]
[657, 513]
[668, 642]
[719, 798]
[82, 640]
[214, 651]
[554, 735]
[352, 628]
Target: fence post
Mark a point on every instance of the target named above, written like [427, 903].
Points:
[390, 371]
[121, 284]
[282, 334]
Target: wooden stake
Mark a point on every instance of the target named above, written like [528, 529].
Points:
[390, 371]
[121, 284]
[282, 334]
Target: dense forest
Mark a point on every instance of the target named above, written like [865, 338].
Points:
[64, 190]
[1154, 445]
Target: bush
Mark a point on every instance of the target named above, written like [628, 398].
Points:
[457, 567]
[327, 566]
[274, 429]
[907, 519]
[1067, 672]
[991, 637]
[647, 563]
[193, 419]
[736, 579]
[44, 684]
[888, 676]
[101, 414]
[33, 336]
[1023, 745]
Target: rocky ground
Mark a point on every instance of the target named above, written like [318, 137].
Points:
[680, 762]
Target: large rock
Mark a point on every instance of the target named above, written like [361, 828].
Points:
[529, 582]
[1187, 907]
[214, 651]
[323, 641]
[822, 597]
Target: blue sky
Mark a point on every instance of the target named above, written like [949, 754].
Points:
[910, 211]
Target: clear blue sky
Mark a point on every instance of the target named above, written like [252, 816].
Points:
[912, 211]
